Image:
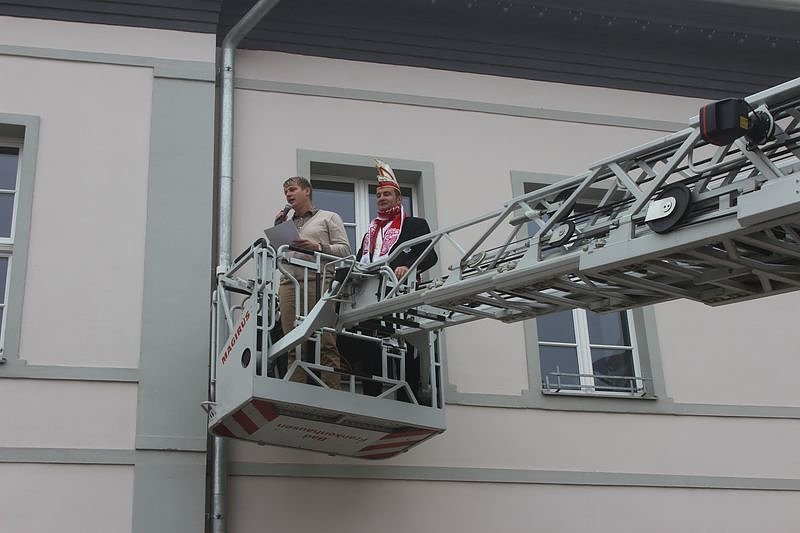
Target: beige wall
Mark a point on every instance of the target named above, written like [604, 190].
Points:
[716, 357]
[89, 205]
[737, 354]
[90, 198]
[401, 506]
[35, 498]
[473, 154]
[85, 271]
[587, 442]
[428, 82]
[86, 252]
[85, 280]
[67, 414]
[100, 38]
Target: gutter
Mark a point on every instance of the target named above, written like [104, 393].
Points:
[218, 452]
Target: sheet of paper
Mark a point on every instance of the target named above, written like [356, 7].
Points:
[283, 233]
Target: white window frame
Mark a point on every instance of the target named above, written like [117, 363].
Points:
[7, 243]
[362, 199]
[12, 143]
[645, 388]
[583, 347]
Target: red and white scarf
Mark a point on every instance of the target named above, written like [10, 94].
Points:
[387, 225]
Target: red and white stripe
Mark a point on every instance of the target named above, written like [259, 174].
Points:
[247, 420]
[394, 443]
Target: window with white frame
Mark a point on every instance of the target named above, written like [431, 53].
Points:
[10, 150]
[350, 192]
[581, 351]
[585, 352]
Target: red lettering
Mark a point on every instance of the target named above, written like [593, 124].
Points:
[235, 337]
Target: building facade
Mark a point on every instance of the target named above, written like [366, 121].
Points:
[107, 129]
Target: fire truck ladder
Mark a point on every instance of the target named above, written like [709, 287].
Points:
[710, 213]
[675, 218]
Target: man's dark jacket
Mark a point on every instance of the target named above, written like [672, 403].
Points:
[413, 227]
[365, 357]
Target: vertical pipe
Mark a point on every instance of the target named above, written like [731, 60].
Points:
[219, 471]
[229, 44]
[225, 158]
[219, 485]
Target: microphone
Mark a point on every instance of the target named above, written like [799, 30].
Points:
[282, 215]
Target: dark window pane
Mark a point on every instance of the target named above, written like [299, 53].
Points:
[556, 327]
[613, 363]
[3, 276]
[373, 209]
[6, 213]
[337, 197]
[557, 359]
[9, 159]
[609, 329]
[351, 236]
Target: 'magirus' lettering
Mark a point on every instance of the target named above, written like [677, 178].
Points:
[231, 343]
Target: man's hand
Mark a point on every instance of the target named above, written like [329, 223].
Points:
[307, 245]
[400, 271]
[280, 216]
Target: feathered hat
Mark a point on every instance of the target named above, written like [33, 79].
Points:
[386, 175]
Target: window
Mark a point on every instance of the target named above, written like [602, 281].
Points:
[9, 179]
[581, 352]
[19, 144]
[353, 197]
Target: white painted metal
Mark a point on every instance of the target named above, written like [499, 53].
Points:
[255, 402]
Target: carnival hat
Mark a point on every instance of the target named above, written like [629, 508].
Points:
[386, 175]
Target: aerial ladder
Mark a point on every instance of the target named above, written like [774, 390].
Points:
[710, 213]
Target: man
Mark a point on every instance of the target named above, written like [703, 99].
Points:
[387, 232]
[320, 231]
[392, 227]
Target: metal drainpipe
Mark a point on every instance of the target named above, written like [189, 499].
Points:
[219, 470]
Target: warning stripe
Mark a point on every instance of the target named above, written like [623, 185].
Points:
[400, 441]
[222, 431]
[389, 445]
[404, 434]
[250, 418]
[267, 411]
[380, 455]
[704, 121]
[243, 420]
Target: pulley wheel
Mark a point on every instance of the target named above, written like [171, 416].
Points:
[682, 197]
[562, 234]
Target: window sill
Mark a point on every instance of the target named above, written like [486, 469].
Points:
[615, 395]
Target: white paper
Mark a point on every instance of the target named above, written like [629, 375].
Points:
[283, 233]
